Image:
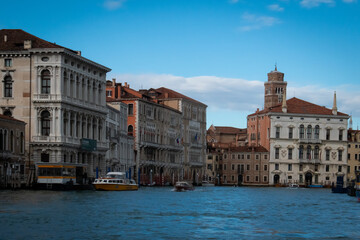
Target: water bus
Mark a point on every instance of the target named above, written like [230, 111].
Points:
[115, 181]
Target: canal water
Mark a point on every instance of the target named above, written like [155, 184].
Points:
[160, 213]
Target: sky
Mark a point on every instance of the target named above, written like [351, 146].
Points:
[215, 51]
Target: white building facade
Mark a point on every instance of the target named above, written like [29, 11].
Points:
[61, 97]
[307, 148]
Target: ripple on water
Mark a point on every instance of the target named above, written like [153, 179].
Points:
[159, 213]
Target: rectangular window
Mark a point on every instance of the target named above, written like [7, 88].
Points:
[316, 167]
[248, 178]
[265, 156]
[248, 156]
[339, 168]
[257, 167]
[130, 109]
[327, 134]
[45, 157]
[256, 178]
[224, 166]
[276, 166]
[348, 169]
[265, 168]
[300, 167]
[327, 155]
[8, 62]
[301, 178]
[257, 156]
[340, 135]
[232, 167]
[290, 167]
[248, 167]
[340, 155]
[108, 93]
[290, 133]
[277, 132]
[327, 168]
[290, 153]
[265, 178]
[277, 153]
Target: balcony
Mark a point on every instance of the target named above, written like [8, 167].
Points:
[310, 141]
[310, 161]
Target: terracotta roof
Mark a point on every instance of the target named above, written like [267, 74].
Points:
[15, 41]
[298, 106]
[230, 130]
[10, 118]
[174, 94]
[248, 149]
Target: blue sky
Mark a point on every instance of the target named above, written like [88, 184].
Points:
[216, 51]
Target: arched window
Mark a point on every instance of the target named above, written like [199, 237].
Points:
[302, 131]
[65, 84]
[12, 141]
[130, 130]
[22, 142]
[72, 85]
[309, 132]
[45, 82]
[316, 152]
[308, 152]
[45, 123]
[8, 86]
[301, 152]
[99, 94]
[1, 140]
[317, 132]
[7, 113]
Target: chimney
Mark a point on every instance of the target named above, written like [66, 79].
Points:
[5, 38]
[78, 53]
[114, 82]
[27, 44]
[334, 108]
[166, 95]
[125, 84]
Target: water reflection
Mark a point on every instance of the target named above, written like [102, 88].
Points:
[159, 213]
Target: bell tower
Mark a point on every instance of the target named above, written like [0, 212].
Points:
[275, 89]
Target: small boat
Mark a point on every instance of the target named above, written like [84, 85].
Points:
[115, 181]
[293, 185]
[183, 186]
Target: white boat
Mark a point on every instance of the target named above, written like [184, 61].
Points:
[183, 186]
[293, 185]
[115, 181]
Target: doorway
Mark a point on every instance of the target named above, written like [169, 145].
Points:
[308, 179]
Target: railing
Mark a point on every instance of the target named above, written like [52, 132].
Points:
[310, 140]
[313, 161]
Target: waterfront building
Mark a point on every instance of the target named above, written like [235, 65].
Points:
[193, 130]
[245, 165]
[60, 95]
[353, 153]
[307, 142]
[120, 156]
[218, 138]
[157, 132]
[226, 136]
[12, 152]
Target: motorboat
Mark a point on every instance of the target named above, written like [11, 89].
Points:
[183, 186]
[115, 181]
[293, 185]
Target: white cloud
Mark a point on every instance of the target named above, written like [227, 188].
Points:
[316, 3]
[253, 22]
[113, 4]
[275, 7]
[240, 95]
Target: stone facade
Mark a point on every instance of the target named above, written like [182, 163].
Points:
[244, 166]
[120, 156]
[353, 153]
[61, 97]
[307, 142]
[157, 132]
[12, 152]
